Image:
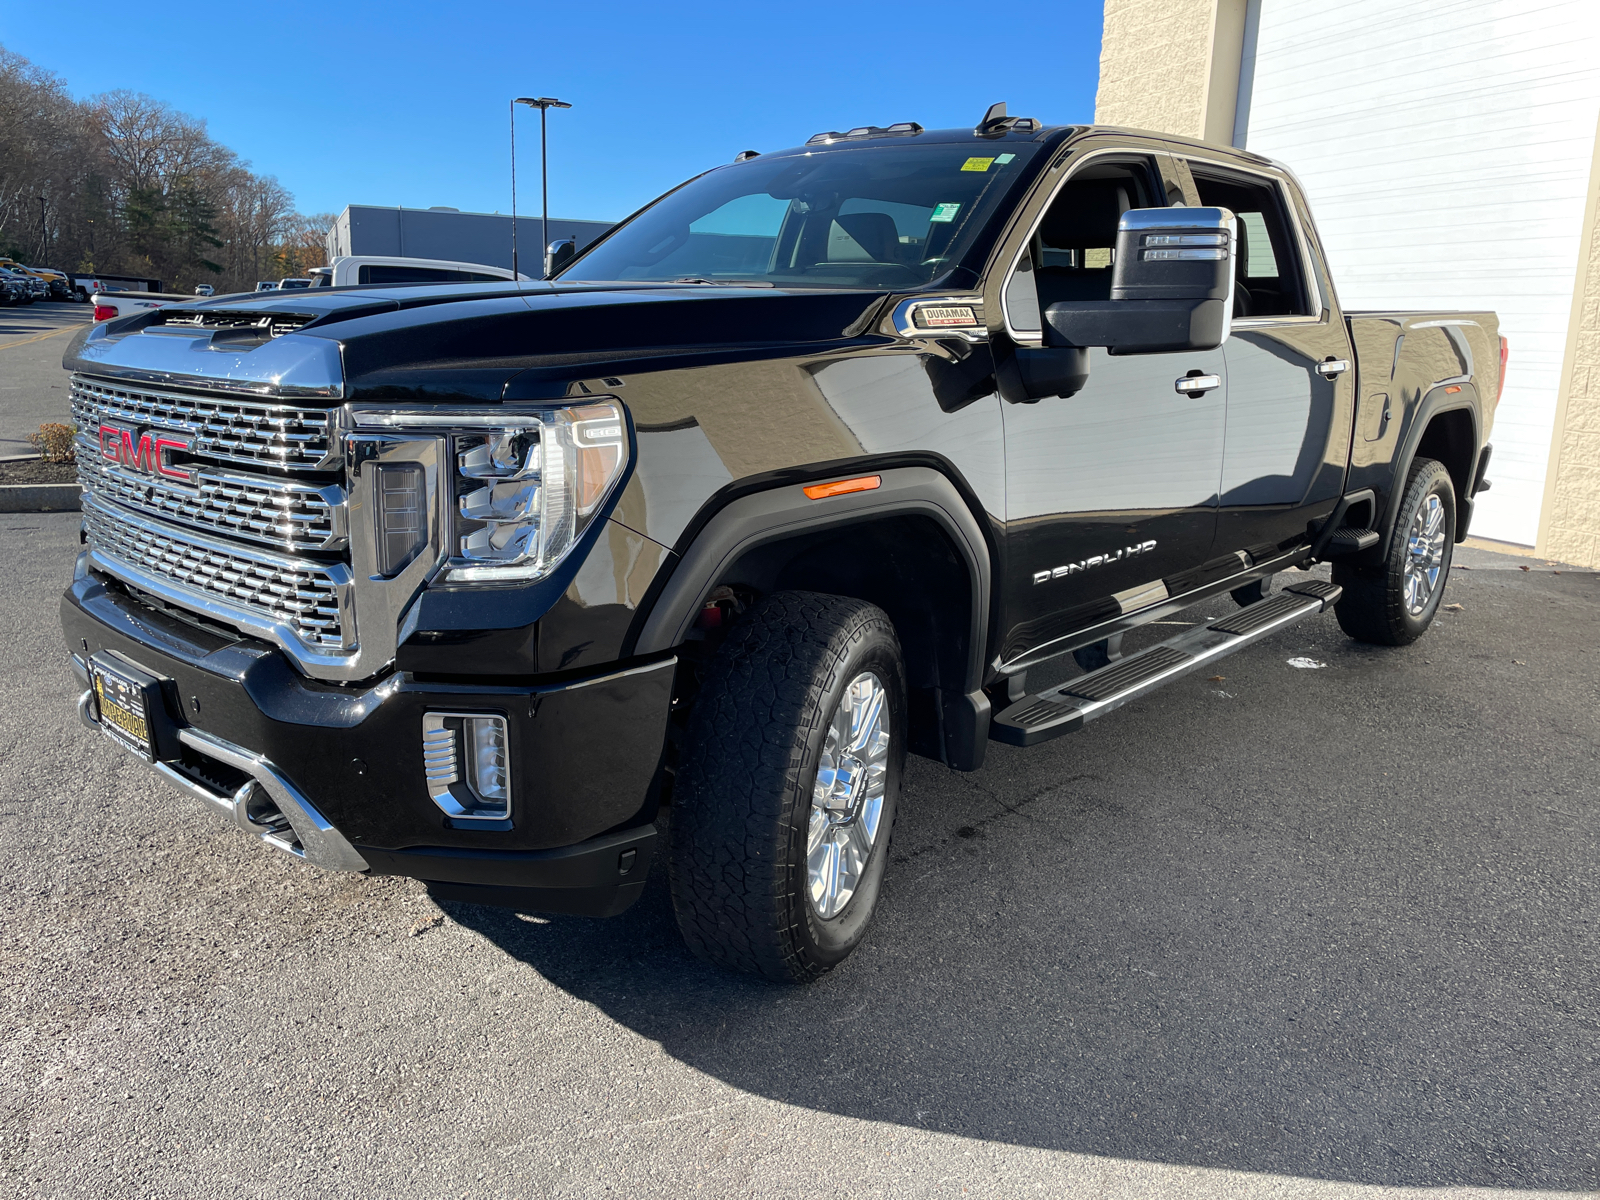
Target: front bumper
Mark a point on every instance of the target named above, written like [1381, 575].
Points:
[335, 774]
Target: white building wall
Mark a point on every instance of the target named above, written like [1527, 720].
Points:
[1445, 146]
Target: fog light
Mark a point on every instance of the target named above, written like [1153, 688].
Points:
[466, 762]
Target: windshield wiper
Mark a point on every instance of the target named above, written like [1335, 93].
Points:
[761, 283]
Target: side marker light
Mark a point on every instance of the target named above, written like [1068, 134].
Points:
[864, 483]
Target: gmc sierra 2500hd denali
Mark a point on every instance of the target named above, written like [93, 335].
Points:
[798, 470]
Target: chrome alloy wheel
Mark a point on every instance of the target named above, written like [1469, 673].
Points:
[847, 798]
[1424, 554]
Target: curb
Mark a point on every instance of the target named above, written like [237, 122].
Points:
[39, 497]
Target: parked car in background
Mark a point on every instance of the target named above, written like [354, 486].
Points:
[34, 288]
[110, 303]
[266, 285]
[353, 269]
[13, 290]
[56, 284]
[204, 289]
[294, 283]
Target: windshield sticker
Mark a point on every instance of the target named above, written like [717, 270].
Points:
[944, 212]
[1004, 159]
[977, 164]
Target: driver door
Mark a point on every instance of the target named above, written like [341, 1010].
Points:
[1111, 493]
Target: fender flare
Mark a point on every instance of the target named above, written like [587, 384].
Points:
[1432, 404]
[784, 511]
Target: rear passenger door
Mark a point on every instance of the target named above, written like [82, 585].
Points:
[1290, 403]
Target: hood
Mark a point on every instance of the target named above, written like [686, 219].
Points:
[456, 342]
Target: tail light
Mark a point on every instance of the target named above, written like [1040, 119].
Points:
[1505, 352]
[104, 312]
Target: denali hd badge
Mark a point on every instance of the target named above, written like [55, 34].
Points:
[150, 455]
[1098, 560]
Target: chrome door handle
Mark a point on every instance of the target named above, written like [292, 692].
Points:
[1329, 367]
[1195, 385]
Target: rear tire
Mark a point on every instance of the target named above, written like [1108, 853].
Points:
[1393, 604]
[780, 824]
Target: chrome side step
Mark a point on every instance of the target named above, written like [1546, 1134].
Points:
[1038, 718]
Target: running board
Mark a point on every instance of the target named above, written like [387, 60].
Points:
[1038, 718]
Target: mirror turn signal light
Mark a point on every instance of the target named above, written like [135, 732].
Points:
[862, 483]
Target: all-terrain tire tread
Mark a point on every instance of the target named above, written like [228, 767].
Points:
[733, 876]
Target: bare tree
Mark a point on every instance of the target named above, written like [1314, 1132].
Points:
[126, 184]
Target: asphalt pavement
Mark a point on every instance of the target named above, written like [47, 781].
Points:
[33, 387]
[1317, 931]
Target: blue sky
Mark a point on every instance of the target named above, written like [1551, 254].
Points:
[405, 102]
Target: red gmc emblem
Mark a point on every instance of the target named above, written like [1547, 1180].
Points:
[150, 455]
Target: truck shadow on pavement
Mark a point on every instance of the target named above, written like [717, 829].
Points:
[1376, 966]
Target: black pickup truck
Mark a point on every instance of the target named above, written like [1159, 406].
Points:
[799, 469]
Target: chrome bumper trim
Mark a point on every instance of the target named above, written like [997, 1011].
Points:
[314, 839]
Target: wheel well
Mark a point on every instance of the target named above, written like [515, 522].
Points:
[1449, 438]
[907, 566]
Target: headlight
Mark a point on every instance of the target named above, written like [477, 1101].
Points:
[525, 489]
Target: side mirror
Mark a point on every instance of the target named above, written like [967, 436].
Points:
[1171, 286]
[558, 255]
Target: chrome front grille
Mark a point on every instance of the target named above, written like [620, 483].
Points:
[306, 597]
[277, 512]
[255, 433]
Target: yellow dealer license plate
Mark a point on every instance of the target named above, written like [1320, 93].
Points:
[124, 705]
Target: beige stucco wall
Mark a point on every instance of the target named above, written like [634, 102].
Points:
[1171, 66]
[1570, 520]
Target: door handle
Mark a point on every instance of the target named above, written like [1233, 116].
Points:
[1196, 385]
[1329, 367]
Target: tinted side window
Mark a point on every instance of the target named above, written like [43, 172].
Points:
[1268, 281]
[1071, 253]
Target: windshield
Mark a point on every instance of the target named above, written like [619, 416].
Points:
[881, 216]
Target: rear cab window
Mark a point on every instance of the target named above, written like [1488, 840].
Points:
[1269, 277]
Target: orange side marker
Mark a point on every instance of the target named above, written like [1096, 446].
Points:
[1451, 388]
[864, 483]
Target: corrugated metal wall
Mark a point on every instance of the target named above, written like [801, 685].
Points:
[1446, 146]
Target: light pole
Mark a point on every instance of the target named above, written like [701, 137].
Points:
[543, 104]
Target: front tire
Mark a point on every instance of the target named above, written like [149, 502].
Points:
[785, 799]
[1393, 604]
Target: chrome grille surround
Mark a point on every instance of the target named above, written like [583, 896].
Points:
[285, 513]
[258, 433]
[307, 602]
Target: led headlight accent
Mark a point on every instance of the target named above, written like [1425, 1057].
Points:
[402, 516]
[526, 488]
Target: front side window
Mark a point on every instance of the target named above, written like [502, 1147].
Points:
[1071, 252]
[893, 216]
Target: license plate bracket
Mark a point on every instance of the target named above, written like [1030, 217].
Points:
[132, 710]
